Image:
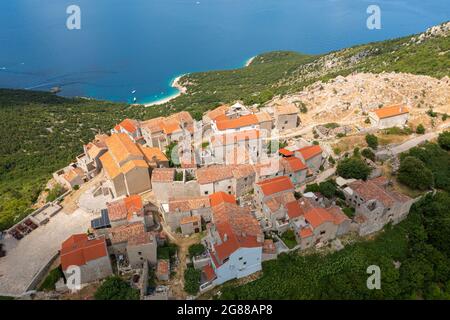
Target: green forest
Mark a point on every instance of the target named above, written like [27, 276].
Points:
[43, 132]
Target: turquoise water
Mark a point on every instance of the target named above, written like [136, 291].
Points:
[143, 44]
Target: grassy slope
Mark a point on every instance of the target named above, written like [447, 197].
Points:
[29, 153]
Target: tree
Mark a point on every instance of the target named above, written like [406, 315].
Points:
[354, 168]
[115, 288]
[444, 140]
[196, 249]
[372, 141]
[420, 129]
[414, 174]
[368, 153]
[192, 280]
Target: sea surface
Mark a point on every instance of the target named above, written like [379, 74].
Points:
[142, 45]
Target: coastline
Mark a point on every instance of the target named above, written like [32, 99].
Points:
[181, 89]
[175, 84]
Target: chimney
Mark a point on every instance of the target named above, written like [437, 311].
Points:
[225, 237]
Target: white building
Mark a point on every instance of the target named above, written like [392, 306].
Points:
[388, 117]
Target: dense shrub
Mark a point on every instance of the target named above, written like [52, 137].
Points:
[115, 288]
[354, 168]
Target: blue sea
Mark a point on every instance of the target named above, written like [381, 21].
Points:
[142, 45]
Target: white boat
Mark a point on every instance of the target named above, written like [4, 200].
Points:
[134, 91]
[134, 99]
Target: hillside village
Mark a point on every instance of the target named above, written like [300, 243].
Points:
[163, 198]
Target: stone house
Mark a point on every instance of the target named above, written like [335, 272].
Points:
[391, 116]
[128, 210]
[131, 128]
[170, 183]
[126, 166]
[90, 255]
[271, 188]
[280, 212]
[179, 208]
[286, 117]
[133, 241]
[234, 242]
[312, 156]
[375, 204]
[190, 225]
[320, 225]
[295, 169]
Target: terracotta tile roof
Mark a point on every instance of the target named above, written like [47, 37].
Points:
[129, 125]
[122, 147]
[221, 197]
[125, 208]
[163, 175]
[338, 214]
[163, 267]
[188, 204]
[153, 125]
[191, 219]
[126, 232]
[242, 171]
[214, 173]
[133, 164]
[286, 152]
[79, 250]
[369, 190]
[305, 233]
[286, 109]
[391, 111]
[141, 238]
[110, 166]
[235, 137]
[72, 174]
[269, 167]
[244, 121]
[182, 117]
[293, 164]
[310, 151]
[152, 154]
[263, 117]
[277, 202]
[275, 185]
[318, 216]
[170, 127]
[209, 273]
[269, 247]
[237, 228]
[294, 210]
[213, 114]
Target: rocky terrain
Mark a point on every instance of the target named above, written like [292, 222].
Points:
[347, 100]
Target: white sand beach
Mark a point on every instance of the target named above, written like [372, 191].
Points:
[175, 84]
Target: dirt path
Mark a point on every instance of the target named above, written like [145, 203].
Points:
[177, 282]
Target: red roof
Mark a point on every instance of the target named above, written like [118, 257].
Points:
[310, 152]
[124, 208]
[275, 185]
[318, 216]
[244, 121]
[221, 197]
[294, 164]
[209, 273]
[128, 125]
[294, 210]
[79, 250]
[305, 233]
[391, 111]
[286, 152]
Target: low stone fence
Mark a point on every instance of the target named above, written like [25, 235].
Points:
[41, 273]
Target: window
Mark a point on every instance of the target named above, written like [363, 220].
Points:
[206, 192]
[241, 258]
[140, 253]
[286, 122]
[245, 263]
[322, 232]
[229, 187]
